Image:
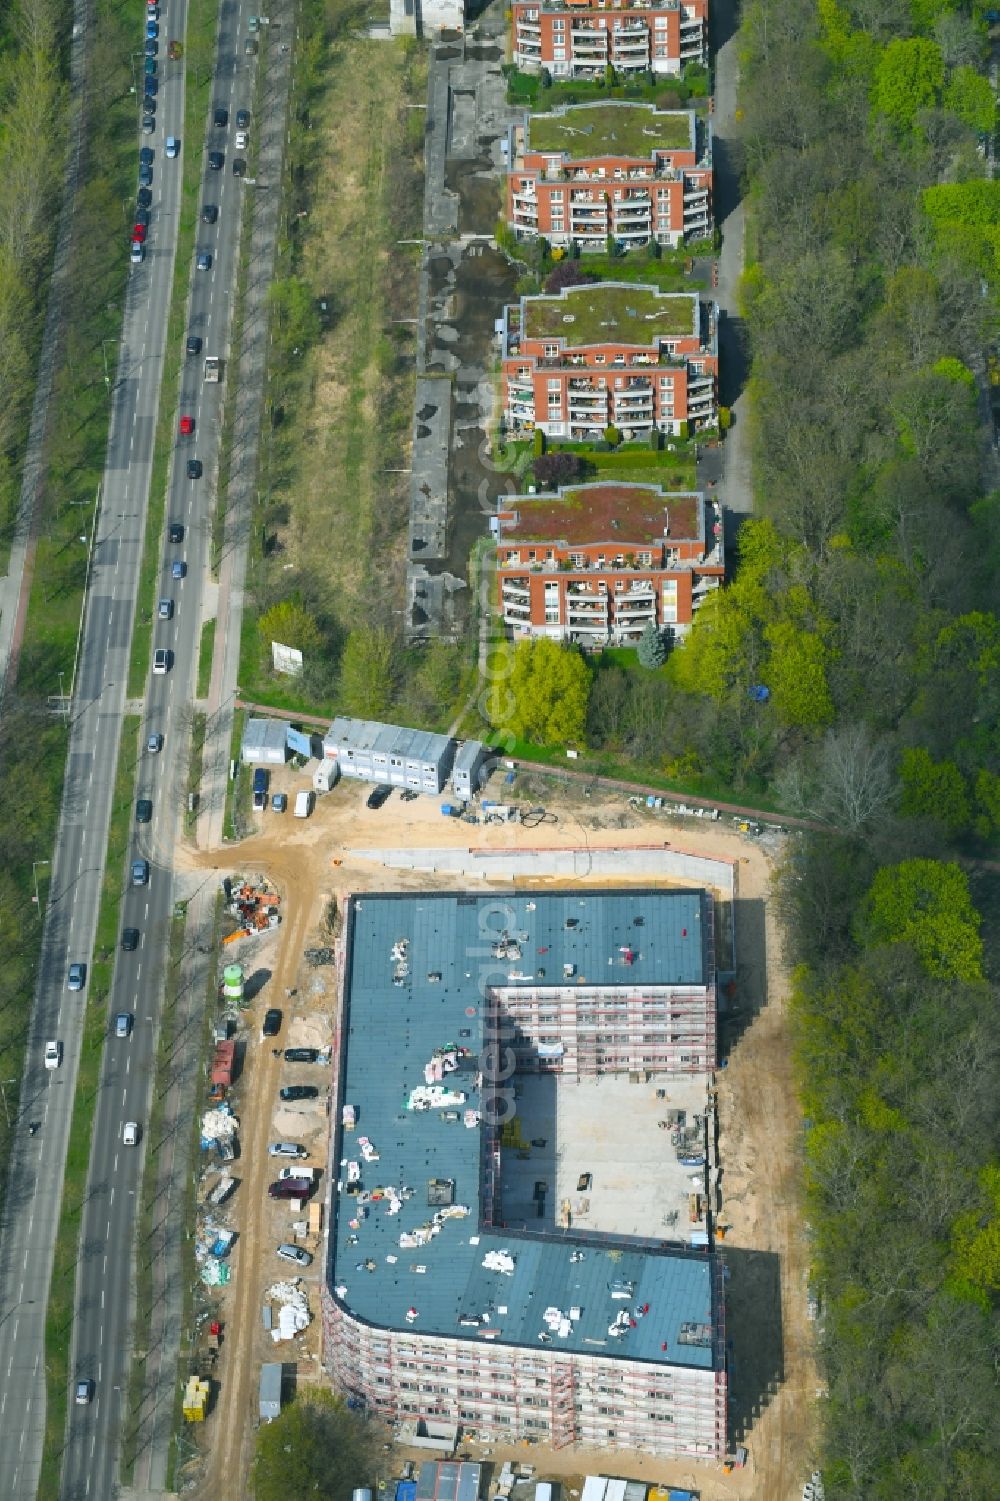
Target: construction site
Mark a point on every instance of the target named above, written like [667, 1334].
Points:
[612, 1150]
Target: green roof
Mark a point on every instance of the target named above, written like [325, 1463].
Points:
[634, 130]
[610, 312]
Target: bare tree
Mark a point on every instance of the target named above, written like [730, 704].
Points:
[847, 783]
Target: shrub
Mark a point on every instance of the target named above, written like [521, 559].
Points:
[612, 437]
[567, 273]
[725, 419]
[538, 442]
[652, 651]
[655, 440]
[553, 469]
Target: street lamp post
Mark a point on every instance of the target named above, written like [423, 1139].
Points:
[34, 876]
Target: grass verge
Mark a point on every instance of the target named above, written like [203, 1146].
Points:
[206, 648]
[202, 21]
[59, 1315]
[194, 771]
[236, 819]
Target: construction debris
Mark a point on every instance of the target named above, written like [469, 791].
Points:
[254, 903]
[293, 1309]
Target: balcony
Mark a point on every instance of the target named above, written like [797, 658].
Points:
[514, 589]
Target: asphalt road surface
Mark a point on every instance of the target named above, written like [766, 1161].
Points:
[101, 1341]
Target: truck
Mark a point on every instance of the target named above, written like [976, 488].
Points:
[213, 369]
[223, 1066]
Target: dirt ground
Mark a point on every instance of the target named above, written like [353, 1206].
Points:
[774, 1381]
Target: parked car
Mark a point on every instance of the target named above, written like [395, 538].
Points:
[76, 977]
[144, 198]
[138, 253]
[272, 1023]
[53, 1053]
[171, 146]
[151, 49]
[130, 940]
[379, 795]
[148, 124]
[295, 1254]
[146, 155]
[145, 177]
[301, 1055]
[144, 810]
[291, 1188]
[309, 1173]
[299, 1092]
[279, 802]
[286, 1149]
[123, 1024]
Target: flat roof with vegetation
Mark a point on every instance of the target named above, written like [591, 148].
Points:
[610, 312]
[624, 515]
[634, 130]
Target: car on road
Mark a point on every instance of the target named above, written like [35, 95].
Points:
[286, 1149]
[165, 609]
[123, 1024]
[272, 1023]
[194, 468]
[83, 1392]
[152, 28]
[242, 119]
[151, 49]
[279, 802]
[138, 253]
[295, 1254]
[76, 976]
[148, 124]
[178, 568]
[242, 140]
[301, 1055]
[193, 345]
[204, 261]
[378, 796]
[216, 160]
[145, 176]
[250, 46]
[144, 198]
[144, 810]
[146, 155]
[53, 1053]
[152, 87]
[221, 116]
[161, 662]
[140, 872]
[149, 99]
[291, 1188]
[130, 1134]
[299, 1092]
[186, 427]
[130, 940]
[177, 531]
[138, 234]
[154, 743]
[239, 167]
[142, 217]
[171, 147]
[209, 213]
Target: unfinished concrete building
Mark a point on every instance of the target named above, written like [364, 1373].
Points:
[476, 1269]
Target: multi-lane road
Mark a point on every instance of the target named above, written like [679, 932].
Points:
[100, 1342]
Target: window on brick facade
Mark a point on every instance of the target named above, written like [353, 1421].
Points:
[551, 351]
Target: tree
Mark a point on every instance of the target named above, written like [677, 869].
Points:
[546, 701]
[976, 1241]
[927, 905]
[909, 77]
[796, 675]
[568, 273]
[550, 470]
[290, 623]
[846, 782]
[317, 1447]
[652, 647]
[368, 671]
[970, 95]
[933, 789]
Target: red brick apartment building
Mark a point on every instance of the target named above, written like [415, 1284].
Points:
[609, 354]
[581, 38]
[598, 563]
[631, 171]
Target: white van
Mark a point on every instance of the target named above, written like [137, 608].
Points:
[304, 804]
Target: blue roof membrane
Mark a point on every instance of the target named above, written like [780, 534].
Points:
[419, 968]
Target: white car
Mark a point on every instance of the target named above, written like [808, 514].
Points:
[294, 1254]
[53, 1054]
[242, 140]
[130, 1135]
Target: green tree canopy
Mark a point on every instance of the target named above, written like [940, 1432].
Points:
[909, 77]
[290, 623]
[926, 904]
[933, 789]
[316, 1448]
[970, 95]
[296, 318]
[796, 676]
[368, 671]
[544, 698]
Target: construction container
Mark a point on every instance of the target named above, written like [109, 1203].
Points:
[269, 1401]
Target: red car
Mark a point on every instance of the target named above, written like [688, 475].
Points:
[187, 426]
[138, 234]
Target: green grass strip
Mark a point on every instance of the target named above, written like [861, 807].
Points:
[205, 652]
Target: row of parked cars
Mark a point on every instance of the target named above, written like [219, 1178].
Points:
[295, 1183]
